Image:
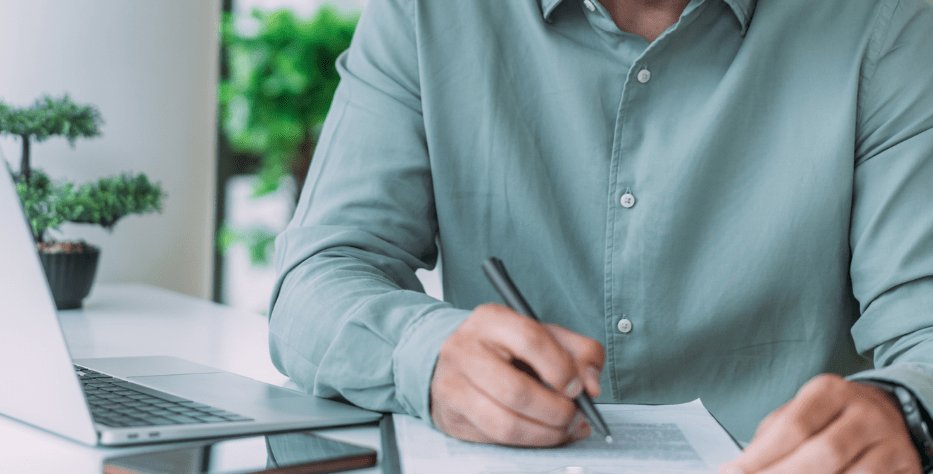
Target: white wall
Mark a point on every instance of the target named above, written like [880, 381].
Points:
[151, 67]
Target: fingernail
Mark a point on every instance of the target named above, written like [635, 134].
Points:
[573, 388]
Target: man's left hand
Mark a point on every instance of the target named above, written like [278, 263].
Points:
[831, 425]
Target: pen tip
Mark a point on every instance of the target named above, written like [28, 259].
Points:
[608, 439]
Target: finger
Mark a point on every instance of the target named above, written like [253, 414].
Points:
[587, 353]
[516, 390]
[769, 420]
[836, 446]
[527, 340]
[499, 425]
[582, 431]
[885, 458]
[817, 403]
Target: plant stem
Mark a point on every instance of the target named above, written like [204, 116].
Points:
[24, 165]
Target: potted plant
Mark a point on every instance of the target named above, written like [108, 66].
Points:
[70, 266]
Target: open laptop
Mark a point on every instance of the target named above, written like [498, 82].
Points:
[128, 400]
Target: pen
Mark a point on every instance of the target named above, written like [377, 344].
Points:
[499, 277]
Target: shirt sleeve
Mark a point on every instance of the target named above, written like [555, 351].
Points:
[349, 319]
[892, 217]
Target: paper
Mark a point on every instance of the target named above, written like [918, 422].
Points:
[659, 439]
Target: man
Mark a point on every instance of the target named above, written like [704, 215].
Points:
[725, 199]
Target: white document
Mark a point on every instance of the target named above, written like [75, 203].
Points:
[648, 439]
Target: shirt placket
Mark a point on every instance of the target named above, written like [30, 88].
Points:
[623, 278]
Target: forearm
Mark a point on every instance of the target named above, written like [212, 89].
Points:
[353, 324]
[349, 317]
[891, 227]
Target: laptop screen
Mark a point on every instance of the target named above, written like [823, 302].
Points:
[32, 349]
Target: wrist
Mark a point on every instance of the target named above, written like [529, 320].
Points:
[415, 357]
[916, 419]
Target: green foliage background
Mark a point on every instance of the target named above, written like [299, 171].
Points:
[281, 83]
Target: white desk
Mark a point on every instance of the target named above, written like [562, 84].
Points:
[130, 320]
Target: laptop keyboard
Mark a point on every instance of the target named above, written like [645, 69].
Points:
[119, 403]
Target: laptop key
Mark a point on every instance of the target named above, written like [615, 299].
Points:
[158, 420]
[182, 419]
[118, 418]
[196, 405]
[132, 423]
[119, 421]
[211, 419]
[237, 418]
[148, 391]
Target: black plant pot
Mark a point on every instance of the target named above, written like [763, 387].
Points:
[70, 275]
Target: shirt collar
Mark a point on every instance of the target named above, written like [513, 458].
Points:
[743, 10]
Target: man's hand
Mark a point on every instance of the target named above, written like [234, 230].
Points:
[478, 395]
[831, 425]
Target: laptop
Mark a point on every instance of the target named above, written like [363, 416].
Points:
[125, 400]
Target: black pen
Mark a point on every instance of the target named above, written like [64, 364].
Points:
[499, 277]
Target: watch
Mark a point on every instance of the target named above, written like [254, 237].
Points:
[917, 420]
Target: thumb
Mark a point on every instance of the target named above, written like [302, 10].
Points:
[588, 355]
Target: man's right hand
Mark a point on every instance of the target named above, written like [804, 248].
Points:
[478, 395]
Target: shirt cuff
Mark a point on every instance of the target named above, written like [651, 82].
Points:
[416, 355]
[918, 378]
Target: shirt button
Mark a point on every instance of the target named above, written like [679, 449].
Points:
[643, 76]
[589, 5]
[624, 325]
[627, 200]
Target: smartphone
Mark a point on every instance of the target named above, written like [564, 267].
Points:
[299, 452]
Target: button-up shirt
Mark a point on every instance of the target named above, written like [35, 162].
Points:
[730, 209]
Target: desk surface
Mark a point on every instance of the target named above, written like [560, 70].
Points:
[132, 320]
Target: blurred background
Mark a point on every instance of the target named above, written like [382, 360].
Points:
[220, 101]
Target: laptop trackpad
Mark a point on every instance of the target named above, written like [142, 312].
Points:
[220, 388]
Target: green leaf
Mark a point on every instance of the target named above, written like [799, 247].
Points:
[282, 80]
[259, 242]
[51, 117]
[108, 200]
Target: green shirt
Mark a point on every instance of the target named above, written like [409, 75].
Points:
[731, 209]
